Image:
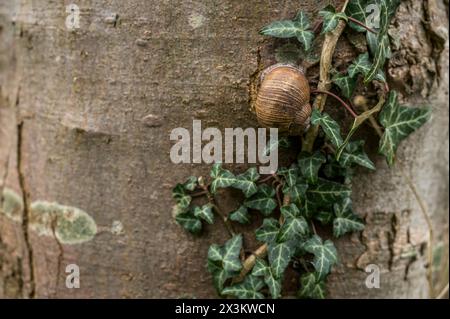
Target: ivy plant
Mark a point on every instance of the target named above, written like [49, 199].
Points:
[314, 192]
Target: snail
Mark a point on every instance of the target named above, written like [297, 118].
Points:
[282, 100]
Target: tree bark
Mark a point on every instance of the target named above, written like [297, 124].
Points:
[85, 118]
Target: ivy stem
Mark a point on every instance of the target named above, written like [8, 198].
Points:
[362, 25]
[348, 107]
[265, 179]
[313, 227]
[199, 194]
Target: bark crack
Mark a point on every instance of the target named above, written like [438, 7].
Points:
[25, 217]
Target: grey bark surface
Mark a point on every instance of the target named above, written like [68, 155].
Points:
[85, 118]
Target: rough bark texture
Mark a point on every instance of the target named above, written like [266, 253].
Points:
[85, 119]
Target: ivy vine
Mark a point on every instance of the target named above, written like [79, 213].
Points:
[316, 188]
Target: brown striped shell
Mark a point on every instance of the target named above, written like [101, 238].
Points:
[283, 99]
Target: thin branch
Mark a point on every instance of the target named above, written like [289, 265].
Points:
[362, 25]
[348, 107]
[329, 45]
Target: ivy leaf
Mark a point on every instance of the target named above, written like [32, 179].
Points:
[222, 178]
[346, 221]
[191, 183]
[291, 28]
[325, 255]
[231, 251]
[333, 169]
[268, 231]
[362, 65]
[179, 194]
[329, 126]
[399, 122]
[294, 224]
[357, 10]
[327, 192]
[279, 257]
[310, 165]
[263, 200]
[241, 215]
[296, 192]
[345, 83]
[354, 154]
[379, 59]
[188, 221]
[262, 269]
[357, 122]
[331, 18]
[205, 213]
[248, 289]
[289, 174]
[311, 286]
[247, 182]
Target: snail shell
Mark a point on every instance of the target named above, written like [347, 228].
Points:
[283, 99]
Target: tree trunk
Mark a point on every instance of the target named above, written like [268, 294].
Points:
[85, 118]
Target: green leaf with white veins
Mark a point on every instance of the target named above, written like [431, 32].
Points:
[296, 192]
[310, 164]
[262, 269]
[248, 289]
[279, 258]
[189, 222]
[191, 183]
[346, 221]
[362, 65]
[179, 194]
[354, 154]
[263, 200]
[327, 192]
[325, 255]
[241, 215]
[291, 28]
[221, 178]
[205, 213]
[399, 122]
[331, 18]
[289, 174]
[311, 286]
[328, 125]
[294, 225]
[247, 182]
[231, 251]
[268, 231]
[345, 83]
[357, 10]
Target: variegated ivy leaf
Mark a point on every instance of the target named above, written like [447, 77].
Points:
[205, 212]
[310, 164]
[328, 125]
[399, 122]
[311, 286]
[354, 154]
[191, 183]
[346, 221]
[331, 18]
[241, 215]
[296, 192]
[345, 83]
[247, 182]
[219, 275]
[273, 144]
[188, 221]
[279, 258]
[179, 194]
[263, 200]
[268, 232]
[357, 122]
[221, 178]
[231, 251]
[294, 224]
[327, 192]
[289, 174]
[262, 269]
[357, 10]
[291, 28]
[362, 65]
[325, 255]
[248, 289]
